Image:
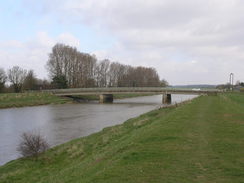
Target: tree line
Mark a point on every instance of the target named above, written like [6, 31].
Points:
[73, 69]
[69, 68]
[21, 79]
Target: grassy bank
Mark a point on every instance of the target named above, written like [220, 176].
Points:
[37, 98]
[30, 99]
[201, 141]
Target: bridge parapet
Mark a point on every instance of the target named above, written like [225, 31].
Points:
[127, 90]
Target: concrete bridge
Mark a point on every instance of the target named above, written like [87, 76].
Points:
[106, 94]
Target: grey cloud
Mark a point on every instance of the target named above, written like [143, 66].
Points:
[154, 32]
[32, 54]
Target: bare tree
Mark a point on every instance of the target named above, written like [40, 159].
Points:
[30, 82]
[116, 71]
[83, 70]
[3, 79]
[164, 83]
[78, 68]
[32, 145]
[102, 73]
[140, 77]
[17, 76]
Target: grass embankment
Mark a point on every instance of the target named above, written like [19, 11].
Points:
[30, 99]
[201, 141]
[38, 98]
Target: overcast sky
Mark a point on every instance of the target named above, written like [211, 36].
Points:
[187, 41]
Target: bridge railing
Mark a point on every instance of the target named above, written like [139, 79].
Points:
[131, 89]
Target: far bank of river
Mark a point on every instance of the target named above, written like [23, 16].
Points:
[61, 123]
[12, 100]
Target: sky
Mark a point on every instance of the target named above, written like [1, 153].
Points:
[187, 41]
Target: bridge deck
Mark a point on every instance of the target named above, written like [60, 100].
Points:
[128, 90]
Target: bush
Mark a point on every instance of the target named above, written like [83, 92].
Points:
[31, 145]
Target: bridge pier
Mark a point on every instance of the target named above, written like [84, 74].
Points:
[106, 98]
[166, 98]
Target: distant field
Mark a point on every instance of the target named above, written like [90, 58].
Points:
[201, 141]
[30, 99]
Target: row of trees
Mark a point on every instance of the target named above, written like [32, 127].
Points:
[70, 68]
[20, 79]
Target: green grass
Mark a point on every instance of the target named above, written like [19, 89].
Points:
[201, 141]
[9, 100]
[29, 99]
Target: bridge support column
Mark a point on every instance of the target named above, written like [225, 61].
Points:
[166, 98]
[106, 98]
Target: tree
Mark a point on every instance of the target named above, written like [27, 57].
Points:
[3, 79]
[44, 84]
[239, 83]
[60, 82]
[164, 83]
[139, 77]
[114, 73]
[31, 145]
[102, 73]
[17, 76]
[78, 68]
[66, 65]
[30, 82]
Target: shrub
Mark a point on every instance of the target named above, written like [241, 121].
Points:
[31, 145]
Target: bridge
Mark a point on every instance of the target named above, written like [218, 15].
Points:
[106, 94]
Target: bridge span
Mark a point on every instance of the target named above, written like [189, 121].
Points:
[106, 94]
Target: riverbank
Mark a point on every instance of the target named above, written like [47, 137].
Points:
[201, 141]
[10, 100]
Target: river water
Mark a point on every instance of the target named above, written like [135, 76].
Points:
[61, 123]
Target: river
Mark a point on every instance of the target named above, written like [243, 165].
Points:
[61, 123]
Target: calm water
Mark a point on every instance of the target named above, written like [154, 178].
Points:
[61, 123]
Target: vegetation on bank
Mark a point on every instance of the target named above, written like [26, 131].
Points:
[74, 69]
[70, 68]
[8, 100]
[201, 141]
